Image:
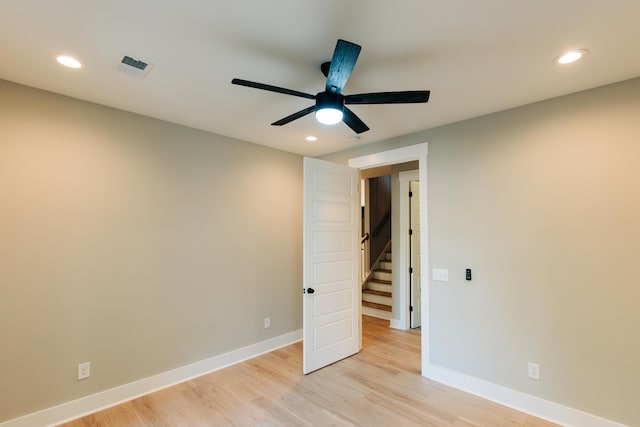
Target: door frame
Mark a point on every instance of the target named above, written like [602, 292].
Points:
[410, 153]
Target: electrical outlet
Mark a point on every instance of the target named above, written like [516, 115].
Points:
[534, 371]
[267, 322]
[84, 370]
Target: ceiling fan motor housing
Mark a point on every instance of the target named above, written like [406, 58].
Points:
[329, 100]
[329, 107]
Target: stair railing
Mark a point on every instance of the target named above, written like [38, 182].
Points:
[383, 221]
[365, 248]
[364, 255]
[375, 264]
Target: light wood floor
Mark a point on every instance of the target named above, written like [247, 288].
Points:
[381, 386]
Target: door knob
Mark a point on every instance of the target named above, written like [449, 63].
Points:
[310, 290]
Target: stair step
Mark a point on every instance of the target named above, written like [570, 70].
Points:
[374, 292]
[381, 281]
[379, 287]
[381, 275]
[377, 292]
[377, 299]
[376, 306]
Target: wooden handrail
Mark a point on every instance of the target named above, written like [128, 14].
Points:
[375, 264]
[365, 237]
[382, 222]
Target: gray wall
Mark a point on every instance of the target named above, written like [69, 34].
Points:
[543, 203]
[135, 244]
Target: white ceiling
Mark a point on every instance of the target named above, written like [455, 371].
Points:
[476, 57]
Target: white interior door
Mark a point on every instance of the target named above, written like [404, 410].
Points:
[414, 219]
[331, 299]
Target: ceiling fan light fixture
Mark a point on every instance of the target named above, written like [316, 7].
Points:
[329, 115]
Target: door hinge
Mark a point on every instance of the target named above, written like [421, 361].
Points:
[410, 270]
[410, 232]
[410, 308]
[410, 193]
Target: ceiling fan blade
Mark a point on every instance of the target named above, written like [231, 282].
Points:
[353, 121]
[294, 116]
[406, 97]
[344, 59]
[272, 88]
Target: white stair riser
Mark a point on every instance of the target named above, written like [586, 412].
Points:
[387, 256]
[386, 265]
[374, 312]
[378, 299]
[382, 275]
[379, 287]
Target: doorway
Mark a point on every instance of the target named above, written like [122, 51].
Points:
[392, 282]
[376, 280]
[417, 152]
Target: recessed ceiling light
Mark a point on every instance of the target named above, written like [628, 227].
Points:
[571, 56]
[68, 61]
[311, 138]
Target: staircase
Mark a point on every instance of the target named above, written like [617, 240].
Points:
[376, 291]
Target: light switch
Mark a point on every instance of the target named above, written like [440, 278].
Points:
[440, 275]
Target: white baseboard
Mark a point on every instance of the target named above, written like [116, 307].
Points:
[102, 400]
[526, 403]
[397, 324]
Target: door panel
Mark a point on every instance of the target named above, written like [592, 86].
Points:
[331, 327]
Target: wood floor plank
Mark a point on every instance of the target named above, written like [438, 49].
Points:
[380, 386]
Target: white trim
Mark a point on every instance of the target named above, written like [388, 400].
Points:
[403, 261]
[526, 403]
[391, 157]
[89, 404]
[396, 324]
[417, 152]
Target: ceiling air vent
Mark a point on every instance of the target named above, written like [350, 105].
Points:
[135, 63]
[135, 67]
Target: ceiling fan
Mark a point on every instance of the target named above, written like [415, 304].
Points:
[330, 107]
